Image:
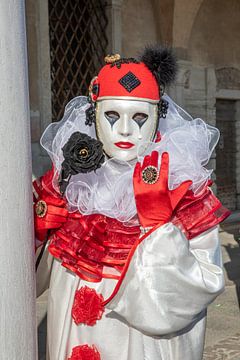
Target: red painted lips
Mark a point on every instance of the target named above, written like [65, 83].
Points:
[124, 145]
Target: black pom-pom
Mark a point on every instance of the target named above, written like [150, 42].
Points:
[162, 62]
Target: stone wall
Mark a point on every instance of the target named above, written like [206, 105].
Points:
[215, 36]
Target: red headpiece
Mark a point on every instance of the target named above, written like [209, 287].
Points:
[129, 78]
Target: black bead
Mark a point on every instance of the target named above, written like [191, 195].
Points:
[162, 108]
[90, 114]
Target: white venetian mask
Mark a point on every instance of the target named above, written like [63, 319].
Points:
[123, 124]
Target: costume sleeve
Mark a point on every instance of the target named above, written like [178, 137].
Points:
[50, 209]
[169, 280]
[50, 213]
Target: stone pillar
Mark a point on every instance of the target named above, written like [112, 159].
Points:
[17, 276]
[114, 30]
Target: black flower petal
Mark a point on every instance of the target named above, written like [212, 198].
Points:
[82, 154]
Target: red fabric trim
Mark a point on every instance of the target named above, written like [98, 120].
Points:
[197, 214]
[81, 245]
[111, 276]
[117, 246]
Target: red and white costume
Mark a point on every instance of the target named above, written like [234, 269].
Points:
[131, 273]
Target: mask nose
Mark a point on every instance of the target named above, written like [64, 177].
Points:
[125, 128]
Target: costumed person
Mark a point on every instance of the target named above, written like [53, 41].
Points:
[126, 220]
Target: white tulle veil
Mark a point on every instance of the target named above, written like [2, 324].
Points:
[109, 191]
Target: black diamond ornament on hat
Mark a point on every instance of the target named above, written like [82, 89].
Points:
[129, 81]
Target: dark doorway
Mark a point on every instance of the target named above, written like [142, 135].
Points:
[78, 45]
[226, 153]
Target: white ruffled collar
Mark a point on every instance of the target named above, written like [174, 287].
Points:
[109, 190]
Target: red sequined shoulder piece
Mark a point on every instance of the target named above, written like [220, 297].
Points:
[196, 214]
[90, 245]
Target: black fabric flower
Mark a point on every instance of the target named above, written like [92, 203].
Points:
[82, 154]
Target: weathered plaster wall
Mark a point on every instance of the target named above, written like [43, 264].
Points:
[215, 34]
[185, 12]
[138, 26]
[163, 14]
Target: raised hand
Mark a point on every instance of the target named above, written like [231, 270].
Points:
[154, 201]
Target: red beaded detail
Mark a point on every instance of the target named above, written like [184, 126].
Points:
[85, 352]
[87, 306]
[158, 137]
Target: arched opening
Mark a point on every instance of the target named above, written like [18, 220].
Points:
[226, 153]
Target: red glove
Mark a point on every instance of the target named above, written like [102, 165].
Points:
[155, 202]
[49, 208]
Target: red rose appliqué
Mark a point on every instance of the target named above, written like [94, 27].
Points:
[87, 306]
[85, 352]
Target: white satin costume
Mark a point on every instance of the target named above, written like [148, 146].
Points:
[157, 310]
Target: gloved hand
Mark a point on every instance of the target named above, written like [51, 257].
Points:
[155, 202]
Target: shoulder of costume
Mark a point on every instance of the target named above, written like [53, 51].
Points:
[196, 214]
[44, 185]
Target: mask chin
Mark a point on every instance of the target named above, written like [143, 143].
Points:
[122, 125]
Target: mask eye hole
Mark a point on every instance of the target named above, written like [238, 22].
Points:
[140, 118]
[112, 116]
